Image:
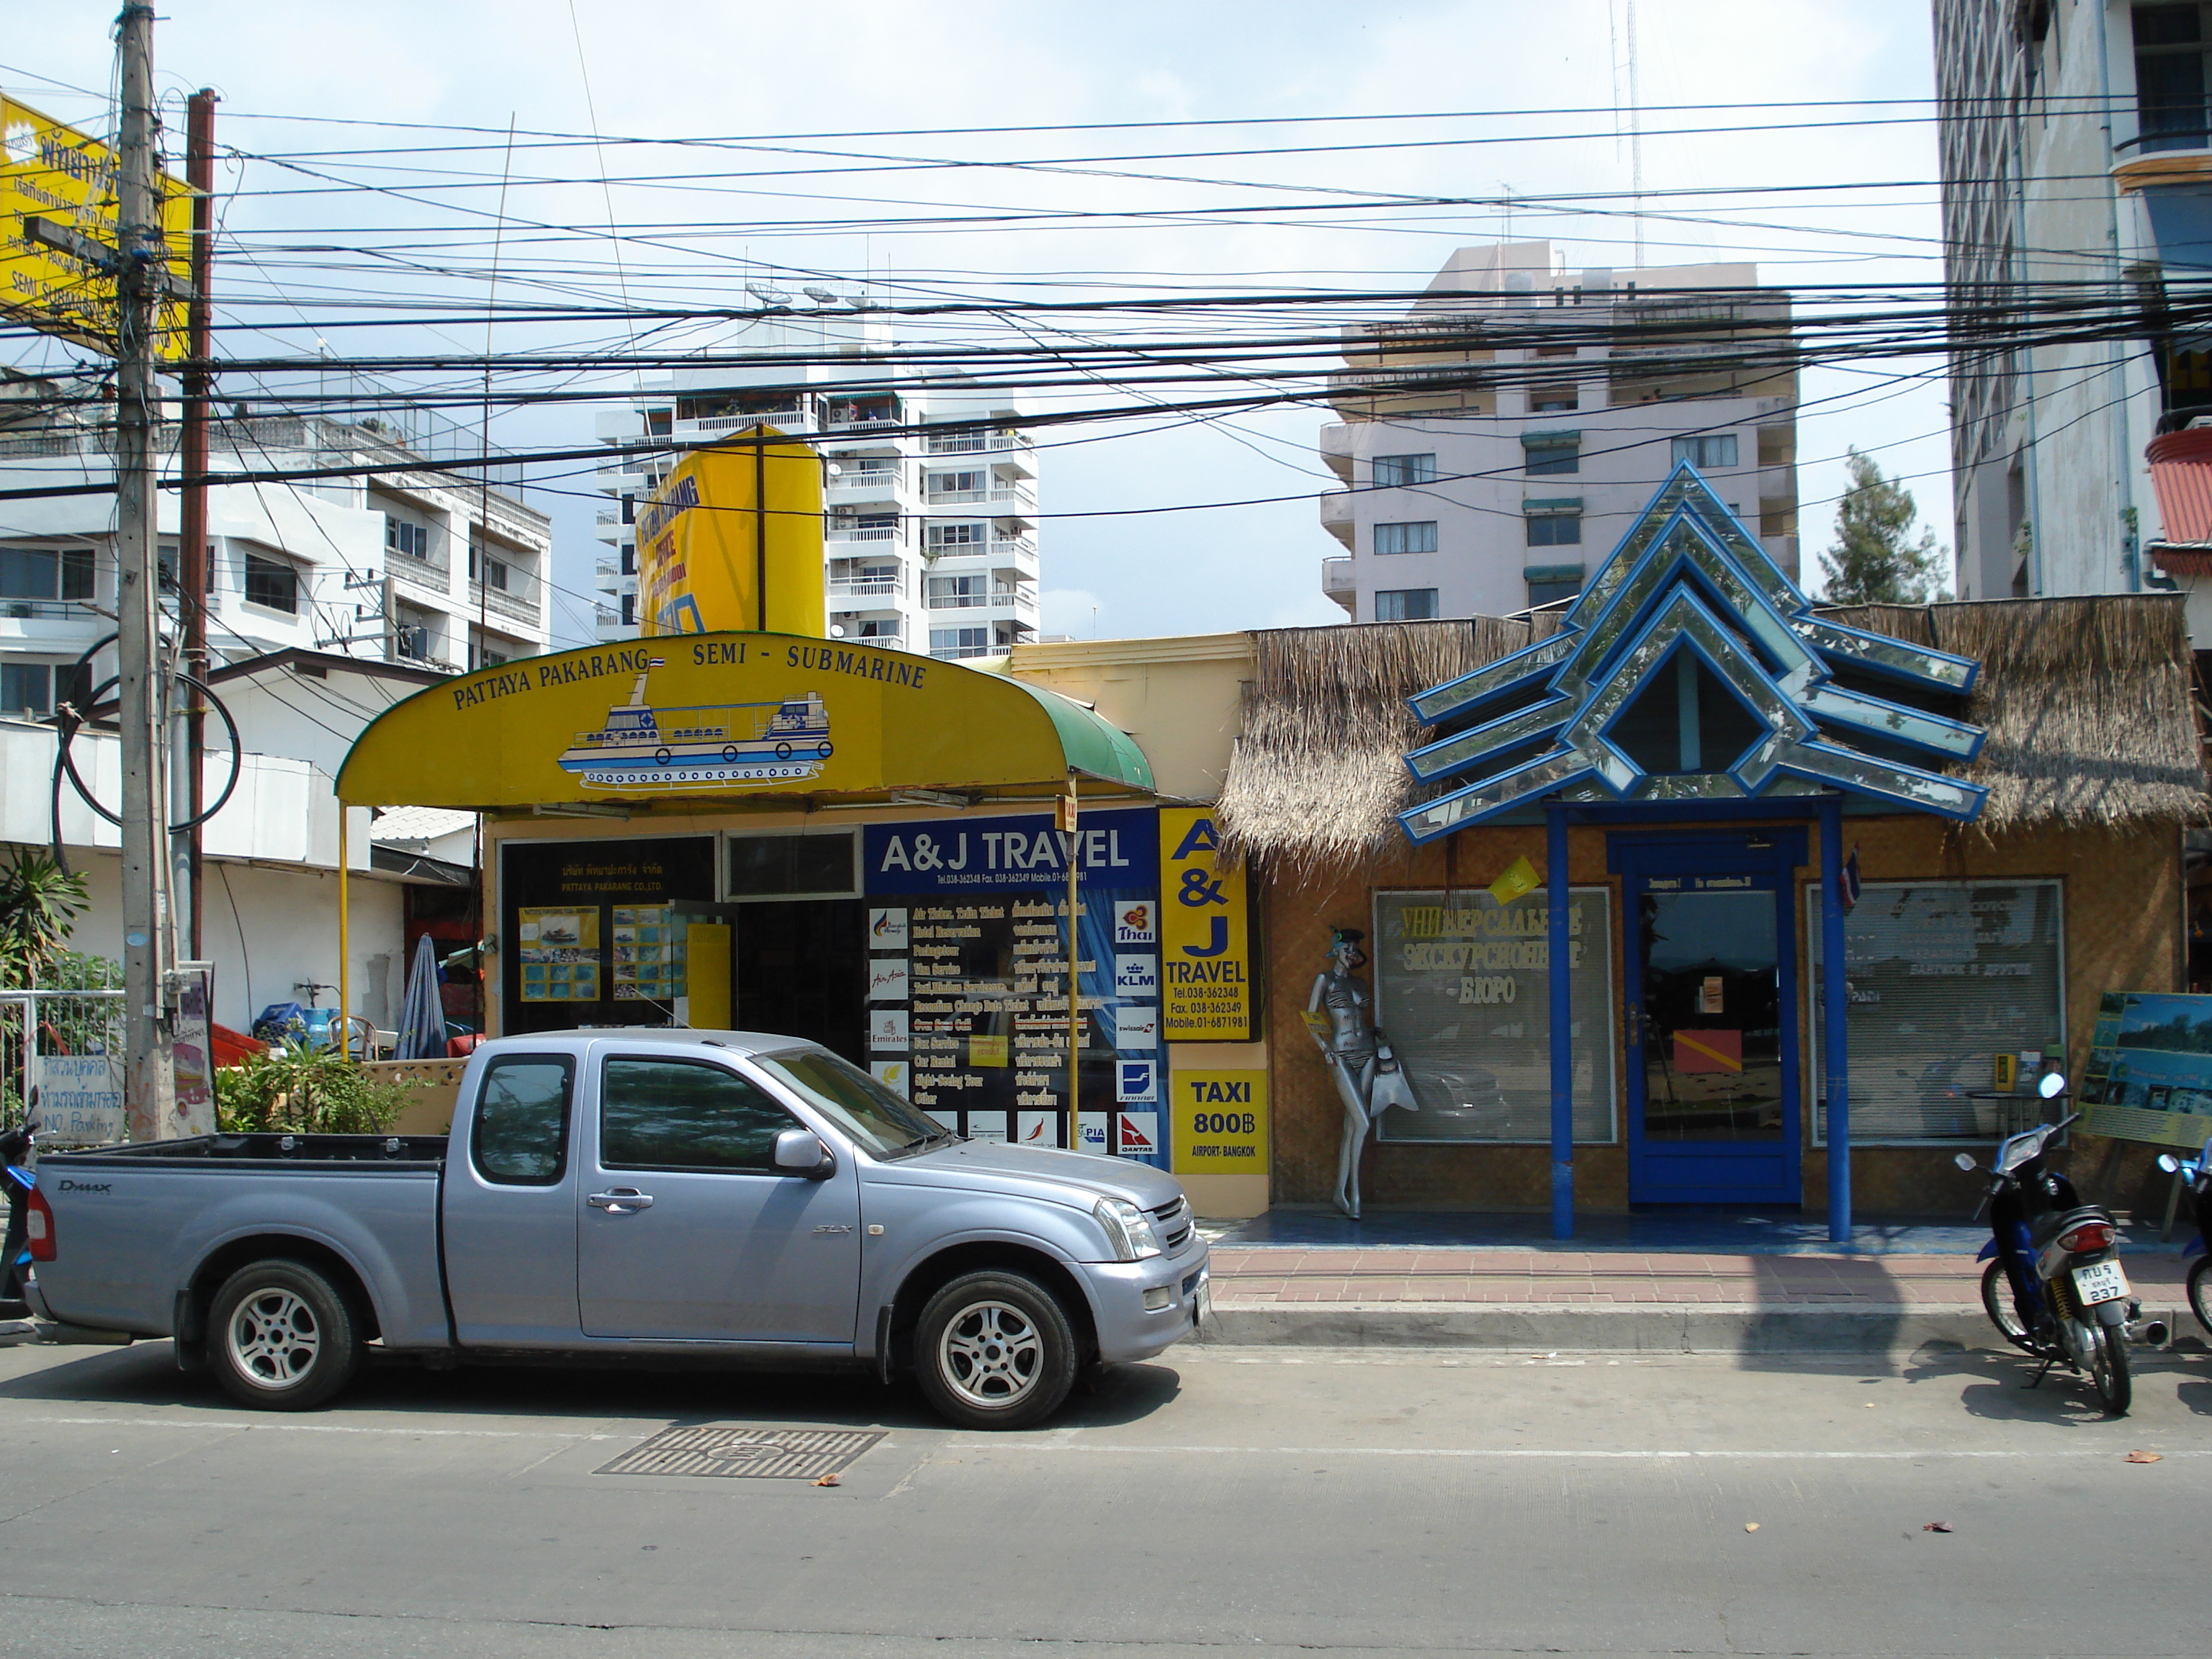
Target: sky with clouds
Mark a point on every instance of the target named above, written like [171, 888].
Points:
[1524, 101]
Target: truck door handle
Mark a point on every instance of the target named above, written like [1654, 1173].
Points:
[621, 1201]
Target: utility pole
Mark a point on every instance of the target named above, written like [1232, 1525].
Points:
[149, 1077]
[191, 515]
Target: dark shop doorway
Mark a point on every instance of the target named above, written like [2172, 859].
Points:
[802, 967]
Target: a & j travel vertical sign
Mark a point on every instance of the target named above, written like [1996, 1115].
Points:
[1205, 941]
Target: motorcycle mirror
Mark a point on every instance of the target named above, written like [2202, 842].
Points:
[1965, 1161]
[2052, 1086]
[2169, 1164]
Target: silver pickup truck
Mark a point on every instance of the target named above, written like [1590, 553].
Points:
[751, 1199]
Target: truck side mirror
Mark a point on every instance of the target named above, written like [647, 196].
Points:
[800, 1152]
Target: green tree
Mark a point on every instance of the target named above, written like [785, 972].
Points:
[1874, 561]
[39, 906]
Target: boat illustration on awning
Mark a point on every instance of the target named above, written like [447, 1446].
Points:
[642, 747]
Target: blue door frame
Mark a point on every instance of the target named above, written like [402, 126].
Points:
[1711, 1171]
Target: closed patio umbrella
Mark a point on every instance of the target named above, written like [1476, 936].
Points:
[422, 1033]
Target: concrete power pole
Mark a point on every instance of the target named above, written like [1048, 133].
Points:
[150, 1079]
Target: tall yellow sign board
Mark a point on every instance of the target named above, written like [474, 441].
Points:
[1205, 938]
[727, 525]
[55, 172]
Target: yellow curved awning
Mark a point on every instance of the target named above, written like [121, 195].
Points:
[730, 718]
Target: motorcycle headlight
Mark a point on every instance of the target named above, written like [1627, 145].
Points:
[1129, 1229]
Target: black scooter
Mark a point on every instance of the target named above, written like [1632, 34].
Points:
[2199, 1172]
[2054, 1285]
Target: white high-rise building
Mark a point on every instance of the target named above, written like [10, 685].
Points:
[417, 566]
[1496, 442]
[930, 537]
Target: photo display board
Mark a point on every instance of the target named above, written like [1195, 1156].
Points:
[1462, 993]
[1943, 977]
[588, 937]
[969, 934]
[2149, 1076]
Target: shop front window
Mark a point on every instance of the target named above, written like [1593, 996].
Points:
[1944, 977]
[1463, 993]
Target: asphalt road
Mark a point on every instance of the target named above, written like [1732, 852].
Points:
[1262, 1500]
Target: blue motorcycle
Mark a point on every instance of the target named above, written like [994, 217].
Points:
[2054, 1285]
[2198, 1173]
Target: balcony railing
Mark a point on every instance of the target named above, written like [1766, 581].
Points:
[784, 417]
[431, 575]
[869, 533]
[888, 588]
[1336, 577]
[500, 603]
[876, 481]
[957, 443]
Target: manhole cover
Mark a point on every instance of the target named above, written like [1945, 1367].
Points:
[746, 1454]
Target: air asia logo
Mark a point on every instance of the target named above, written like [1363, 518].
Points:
[1137, 923]
[1135, 1079]
[887, 981]
[1136, 977]
[1140, 1134]
[887, 930]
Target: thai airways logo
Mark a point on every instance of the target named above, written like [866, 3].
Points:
[1136, 1079]
[1136, 923]
[1140, 1134]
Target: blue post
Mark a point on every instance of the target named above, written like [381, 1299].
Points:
[1835, 1045]
[1563, 1051]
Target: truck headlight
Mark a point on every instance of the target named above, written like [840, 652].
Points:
[1129, 1229]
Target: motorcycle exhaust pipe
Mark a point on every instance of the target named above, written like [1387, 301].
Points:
[2149, 1334]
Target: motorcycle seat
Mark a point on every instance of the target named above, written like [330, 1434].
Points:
[2048, 1227]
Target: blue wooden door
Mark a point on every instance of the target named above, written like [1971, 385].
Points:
[1712, 1018]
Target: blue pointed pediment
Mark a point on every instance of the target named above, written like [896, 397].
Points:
[1689, 596]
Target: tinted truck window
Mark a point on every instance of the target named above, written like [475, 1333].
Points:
[521, 1132]
[672, 1115]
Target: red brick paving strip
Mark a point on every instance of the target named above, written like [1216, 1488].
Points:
[1525, 1277]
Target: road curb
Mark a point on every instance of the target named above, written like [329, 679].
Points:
[1650, 1327]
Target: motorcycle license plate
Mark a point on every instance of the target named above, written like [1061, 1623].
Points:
[2100, 1281]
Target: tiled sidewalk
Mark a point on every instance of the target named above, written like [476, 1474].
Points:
[1260, 1275]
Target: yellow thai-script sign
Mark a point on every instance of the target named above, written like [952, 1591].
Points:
[725, 714]
[725, 520]
[1206, 948]
[1220, 1122]
[55, 172]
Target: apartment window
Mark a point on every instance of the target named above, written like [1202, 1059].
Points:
[1417, 538]
[882, 629]
[412, 541]
[959, 641]
[1553, 526]
[1551, 399]
[165, 567]
[629, 611]
[1708, 449]
[628, 559]
[2170, 76]
[1405, 604]
[1550, 583]
[955, 483]
[950, 536]
[629, 509]
[1545, 452]
[44, 573]
[26, 687]
[272, 583]
[958, 592]
[1392, 471]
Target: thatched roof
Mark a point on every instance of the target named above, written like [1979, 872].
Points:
[2087, 704]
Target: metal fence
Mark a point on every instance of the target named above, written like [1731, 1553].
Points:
[67, 1046]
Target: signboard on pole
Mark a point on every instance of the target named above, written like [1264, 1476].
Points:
[1206, 944]
[67, 178]
[79, 1097]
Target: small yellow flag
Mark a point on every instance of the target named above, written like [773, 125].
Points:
[1520, 878]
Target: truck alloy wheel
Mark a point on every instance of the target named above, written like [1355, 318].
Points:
[281, 1337]
[995, 1350]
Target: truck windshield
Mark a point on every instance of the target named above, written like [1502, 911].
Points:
[879, 1120]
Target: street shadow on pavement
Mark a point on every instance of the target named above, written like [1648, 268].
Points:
[1994, 1385]
[145, 1374]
